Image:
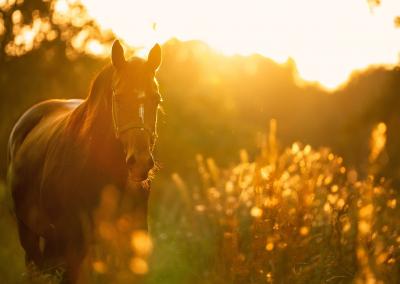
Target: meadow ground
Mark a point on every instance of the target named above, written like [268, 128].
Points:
[294, 215]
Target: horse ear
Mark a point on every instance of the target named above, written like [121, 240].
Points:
[117, 55]
[154, 58]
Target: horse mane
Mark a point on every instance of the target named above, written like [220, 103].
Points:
[95, 105]
[101, 83]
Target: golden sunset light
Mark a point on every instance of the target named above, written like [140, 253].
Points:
[327, 39]
[200, 141]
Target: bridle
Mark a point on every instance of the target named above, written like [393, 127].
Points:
[118, 129]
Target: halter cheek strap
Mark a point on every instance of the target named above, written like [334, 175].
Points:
[130, 125]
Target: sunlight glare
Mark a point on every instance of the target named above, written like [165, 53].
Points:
[61, 7]
[95, 47]
[327, 39]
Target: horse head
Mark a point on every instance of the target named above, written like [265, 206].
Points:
[135, 103]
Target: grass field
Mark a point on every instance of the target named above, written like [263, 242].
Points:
[295, 215]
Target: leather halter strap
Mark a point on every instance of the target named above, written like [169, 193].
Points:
[118, 129]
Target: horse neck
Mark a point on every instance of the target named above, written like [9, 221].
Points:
[96, 130]
[97, 119]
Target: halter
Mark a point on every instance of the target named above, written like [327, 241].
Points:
[118, 129]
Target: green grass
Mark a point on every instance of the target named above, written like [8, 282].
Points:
[295, 215]
[12, 268]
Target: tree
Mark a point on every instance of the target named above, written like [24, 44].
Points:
[27, 25]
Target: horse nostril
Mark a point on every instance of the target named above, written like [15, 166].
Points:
[130, 160]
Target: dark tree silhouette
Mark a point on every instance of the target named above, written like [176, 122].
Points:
[27, 25]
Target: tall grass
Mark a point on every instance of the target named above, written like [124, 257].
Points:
[299, 215]
[290, 215]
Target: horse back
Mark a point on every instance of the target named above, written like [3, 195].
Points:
[32, 117]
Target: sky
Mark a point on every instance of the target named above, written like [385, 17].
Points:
[328, 39]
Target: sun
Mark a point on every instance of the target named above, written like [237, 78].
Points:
[327, 39]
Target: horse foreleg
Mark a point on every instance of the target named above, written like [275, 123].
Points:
[52, 258]
[74, 259]
[30, 241]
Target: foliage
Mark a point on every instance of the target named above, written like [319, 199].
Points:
[298, 216]
[216, 104]
[26, 25]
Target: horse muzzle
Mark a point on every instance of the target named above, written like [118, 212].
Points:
[139, 169]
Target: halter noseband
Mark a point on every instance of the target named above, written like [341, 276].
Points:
[118, 129]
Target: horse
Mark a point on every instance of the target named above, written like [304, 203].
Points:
[62, 153]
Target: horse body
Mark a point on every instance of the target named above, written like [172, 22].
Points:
[39, 128]
[63, 153]
[59, 182]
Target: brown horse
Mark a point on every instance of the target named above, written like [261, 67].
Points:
[62, 153]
